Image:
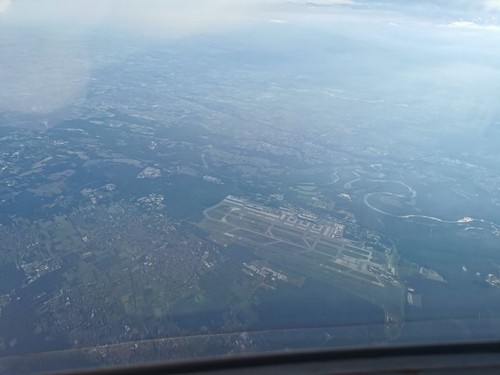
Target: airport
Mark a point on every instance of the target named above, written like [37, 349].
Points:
[300, 241]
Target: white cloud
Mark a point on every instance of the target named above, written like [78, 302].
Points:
[61, 75]
[170, 18]
[492, 4]
[48, 77]
[474, 26]
[54, 75]
[329, 2]
[4, 5]
[181, 15]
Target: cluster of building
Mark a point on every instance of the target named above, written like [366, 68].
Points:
[492, 280]
[152, 201]
[213, 180]
[303, 219]
[37, 269]
[265, 271]
[149, 172]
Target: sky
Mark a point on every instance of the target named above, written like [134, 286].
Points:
[197, 13]
[177, 18]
